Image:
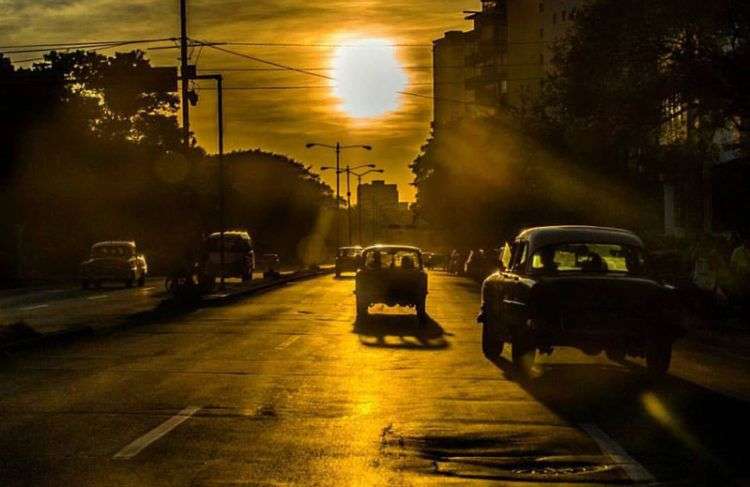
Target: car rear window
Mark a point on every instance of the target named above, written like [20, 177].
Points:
[112, 251]
[392, 258]
[588, 257]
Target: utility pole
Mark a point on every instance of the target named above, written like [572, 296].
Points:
[349, 204]
[186, 76]
[338, 148]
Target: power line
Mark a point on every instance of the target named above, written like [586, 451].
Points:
[52, 45]
[290, 44]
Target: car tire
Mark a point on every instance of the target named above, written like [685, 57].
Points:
[142, 280]
[658, 358]
[247, 276]
[523, 354]
[362, 310]
[129, 282]
[422, 310]
[492, 345]
[338, 273]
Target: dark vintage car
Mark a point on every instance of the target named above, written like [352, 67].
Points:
[347, 259]
[114, 261]
[392, 275]
[582, 287]
[238, 256]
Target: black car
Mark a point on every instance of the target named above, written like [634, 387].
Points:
[347, 259]
[582, 287]
[392, 275]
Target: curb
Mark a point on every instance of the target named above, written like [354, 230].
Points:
[123, 322]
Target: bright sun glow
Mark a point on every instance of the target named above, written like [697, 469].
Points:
[368, 77]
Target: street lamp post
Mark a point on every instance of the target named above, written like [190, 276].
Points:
[349, 171]
[359, 199]
[338, 148]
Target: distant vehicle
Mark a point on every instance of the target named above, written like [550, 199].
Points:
[582, 287]
[114, 261]
[392, 275]
[347, 259]
[456, 262]
[427, 257]
[270, 264]
[474, 265]
[239, 255]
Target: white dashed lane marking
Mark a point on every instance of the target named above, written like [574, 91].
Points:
[144, 441]
[98, 296]
[287, 342]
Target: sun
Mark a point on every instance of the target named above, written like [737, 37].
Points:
[368, 77]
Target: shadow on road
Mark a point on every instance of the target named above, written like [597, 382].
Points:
[678, 430]
[347, 277]
[405, 331]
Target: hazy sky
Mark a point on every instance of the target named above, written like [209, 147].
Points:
[279, 120]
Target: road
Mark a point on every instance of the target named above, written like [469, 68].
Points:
[285, 387]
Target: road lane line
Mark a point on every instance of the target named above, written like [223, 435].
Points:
[141, 443]
[287, 342]
[32, 308]
[98, 296]
[617, 454]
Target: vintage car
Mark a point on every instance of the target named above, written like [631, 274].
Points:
[238, 258]
[114, 261]
[347, 259]
[392, 275]
[578, 286]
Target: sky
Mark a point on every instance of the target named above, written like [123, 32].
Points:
[392, 48]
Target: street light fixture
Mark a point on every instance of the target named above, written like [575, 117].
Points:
[338, 148]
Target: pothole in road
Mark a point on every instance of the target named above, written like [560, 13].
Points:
[513, 456]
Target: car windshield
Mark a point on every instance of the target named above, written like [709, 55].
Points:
[588, 257]
[392, 259]
[232, 243]
[112, 251]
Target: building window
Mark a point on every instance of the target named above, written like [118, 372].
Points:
[504, 86]
[564, 14]
[573, 13]
[541, 33]
[541, 7]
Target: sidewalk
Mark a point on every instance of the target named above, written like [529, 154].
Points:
[18, 334]
[731, 335]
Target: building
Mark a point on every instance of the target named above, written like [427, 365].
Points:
[381, 211]
[506, 56]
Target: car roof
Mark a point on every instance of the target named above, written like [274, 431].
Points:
[543, 236]
[392, 247]
[354, 247]
[113, 243]
[231, 233]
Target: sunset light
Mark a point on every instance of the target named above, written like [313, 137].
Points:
[368, 77]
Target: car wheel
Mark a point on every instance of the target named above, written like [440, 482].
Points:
[338, 273]
[658, 358]
[492, 345]
[524, 354]
[362, 310]
[247, 276]
[422, 310]
[129, 282]
[142, 280]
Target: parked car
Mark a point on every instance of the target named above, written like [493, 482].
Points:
[347, 259]
[239, 255]
[270, 265]
[456, 262]
[114, 261]
[578, 286]
[392, 275]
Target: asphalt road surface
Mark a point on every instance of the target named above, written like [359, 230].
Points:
[286, 388]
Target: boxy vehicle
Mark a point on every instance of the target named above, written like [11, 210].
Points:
[114, 261]
[239, 255]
